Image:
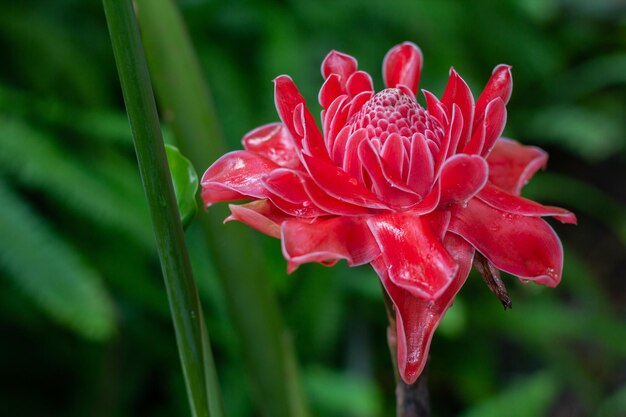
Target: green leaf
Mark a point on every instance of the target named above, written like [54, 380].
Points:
[614, 405]
[185, 182]
[37, 161]
[335, 393]
[50, 271]
[530, 397]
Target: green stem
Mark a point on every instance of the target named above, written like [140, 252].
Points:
[185, 100]
[195, 356]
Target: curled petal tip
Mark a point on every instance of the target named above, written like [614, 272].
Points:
[502, 67]
[338, 63]
[291, 267]
[281, 79]
[403, 65]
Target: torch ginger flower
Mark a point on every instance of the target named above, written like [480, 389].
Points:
[419, 193]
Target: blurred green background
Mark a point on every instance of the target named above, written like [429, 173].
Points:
[84, 322]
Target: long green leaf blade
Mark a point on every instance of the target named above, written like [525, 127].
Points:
[50, 271]
[195, 354]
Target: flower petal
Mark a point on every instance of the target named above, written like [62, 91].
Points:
[337, 183]
[260, 215]
[416, 259]
[358, 101]
[359, 82]
[274, 142]
[451, 139]
[477, 141]
[520, 245]
[393, 156]
[435, 108]
[417, 318]
[388, 191]
[298, 188]
[462, 176]
[500, 199]
[457, 92]
[403, 65]
[421, 166]
[339, 63]
[495, 119]
[327, 239]
[236, 175]
[500, 85]
[291, 105]
[512, 165]
[331, 89]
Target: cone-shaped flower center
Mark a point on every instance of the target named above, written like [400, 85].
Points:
[393, 111]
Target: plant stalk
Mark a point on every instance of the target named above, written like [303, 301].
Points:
[412, 400]
[185, 100]
[192, 339]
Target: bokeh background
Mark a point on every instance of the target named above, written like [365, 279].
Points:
[84, 322]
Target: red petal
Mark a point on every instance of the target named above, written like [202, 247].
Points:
[236, 175]
[435, 108]
[457, 92]
[500, 199]
[286, 184]
[415, 257]
[495, 119]
[273, 141]
[392, 154]
[462, 176]
[402, 65]
[339, 145]
[290, 104]
[359, 82]
[339, 63]
[298, 188]
[512, 165]
[358, 101]
[451, 139]
[422, 167]
[331, 112]
[417, 318]
[340, 185]
[313, 142]
[338, 122]
[499, 85]
[322, 240]
[260, 215]
[520, 245]
[351, 162]
[388, 191]
[477, 141]
[331, 89]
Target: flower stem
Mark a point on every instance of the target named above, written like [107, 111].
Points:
[412, 400]
[185, 100]
[192, 339]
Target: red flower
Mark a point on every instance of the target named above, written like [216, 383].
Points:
[414, 192]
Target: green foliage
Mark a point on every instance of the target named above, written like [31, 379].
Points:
[76, 244]
[185, 181]
[339, 394]
[51, 272]
[528, 398]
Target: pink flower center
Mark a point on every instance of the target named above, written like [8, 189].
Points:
[393, 111]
